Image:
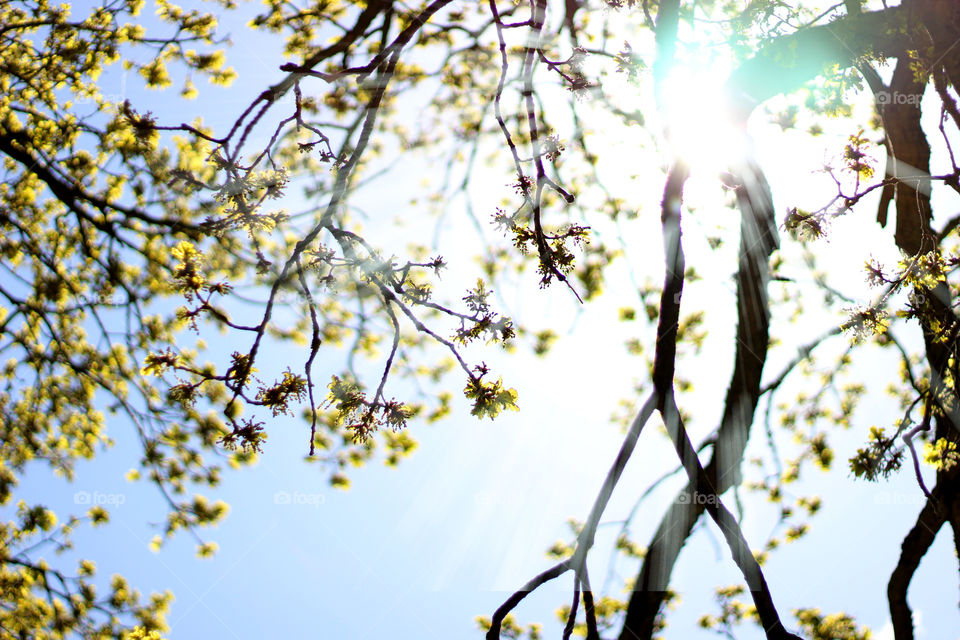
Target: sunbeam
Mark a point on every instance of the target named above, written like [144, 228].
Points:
[697, 126]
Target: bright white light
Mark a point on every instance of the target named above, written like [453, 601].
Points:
[696, 123]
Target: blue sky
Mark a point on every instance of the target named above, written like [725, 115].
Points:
[416, 552]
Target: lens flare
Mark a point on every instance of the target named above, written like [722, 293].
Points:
[697, 125]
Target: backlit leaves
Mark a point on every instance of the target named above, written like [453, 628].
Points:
[878, 459]
[489, 398]
[856, 158]
[104, 213]
[278, 396]
[942, 454]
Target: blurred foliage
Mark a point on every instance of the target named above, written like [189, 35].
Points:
[139, 248]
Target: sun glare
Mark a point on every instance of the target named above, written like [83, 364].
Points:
[696, 124]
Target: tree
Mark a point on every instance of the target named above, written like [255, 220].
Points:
[130, 238]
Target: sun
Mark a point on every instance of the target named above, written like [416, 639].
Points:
[696, 123]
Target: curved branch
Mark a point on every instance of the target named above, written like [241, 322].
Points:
[742, 555]
[493, 633]
[757, 236]
[915, 546]
[758, 239]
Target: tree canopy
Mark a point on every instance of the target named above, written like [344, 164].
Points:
[155, 255]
